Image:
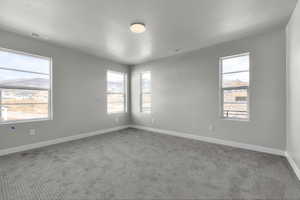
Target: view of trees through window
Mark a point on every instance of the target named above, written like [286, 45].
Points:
[116, 92]
[235, 86]
[24, 86]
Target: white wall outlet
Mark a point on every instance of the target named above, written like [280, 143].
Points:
[13, 129]
[32, 132]
[117, 120]
[152, 120]
[98, 99]
[211, 128]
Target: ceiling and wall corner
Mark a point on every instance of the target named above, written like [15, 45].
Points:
[101, 28]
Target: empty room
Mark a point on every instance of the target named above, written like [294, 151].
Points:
[149, 99]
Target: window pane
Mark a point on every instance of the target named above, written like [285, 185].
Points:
[239, 63]
[24, 62]
[23, 112]
[116, 92]
[235, 79]
[115, 103]
[235, 74]
[146, 102]
[115, 82]
[24, 86]
[23, 79]
[235, 103]
[15, 96]
[146, 82]
[235, 95]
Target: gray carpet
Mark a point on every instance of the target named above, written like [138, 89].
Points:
[135, 164]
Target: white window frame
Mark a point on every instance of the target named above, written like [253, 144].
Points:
[221, 89]
[142, 92]
[50, 90]
[124, 94]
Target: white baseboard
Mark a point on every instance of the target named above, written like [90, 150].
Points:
[227, 143]
[167, 132]
[58, 140]
[293, 164]
[214, 140]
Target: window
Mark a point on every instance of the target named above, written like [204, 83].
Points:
[116, 92]
[235, 86]
[145, 96]
[25, 87]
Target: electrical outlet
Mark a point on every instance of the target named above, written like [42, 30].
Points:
[98, 99]
[32, 132]
[152, 120]
[13, 129]
[117, 120]
[211, 128]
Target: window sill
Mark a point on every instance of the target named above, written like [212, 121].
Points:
[146, 113]
[25, 121]
[117, 113]
[235, 119]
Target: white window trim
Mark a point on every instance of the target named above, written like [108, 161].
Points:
[125, 93]
[221, 104]
[141, 93]
[50, 94]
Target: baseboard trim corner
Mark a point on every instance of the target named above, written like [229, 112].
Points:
[293, 164]
[214, 140]
[58, 140]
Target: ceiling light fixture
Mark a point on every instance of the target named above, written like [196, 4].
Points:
[137, 27]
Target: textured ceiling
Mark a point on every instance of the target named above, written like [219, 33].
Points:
[101, 27]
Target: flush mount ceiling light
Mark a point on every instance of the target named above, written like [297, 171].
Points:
[137, 27]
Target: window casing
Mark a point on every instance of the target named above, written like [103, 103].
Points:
[234, 86]
[25, 87]
[116, 92]
[146, 92]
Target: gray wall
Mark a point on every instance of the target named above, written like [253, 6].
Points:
[186, 92]
[293, 92]
[79, 86]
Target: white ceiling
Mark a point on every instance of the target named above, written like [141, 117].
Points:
[101, 27]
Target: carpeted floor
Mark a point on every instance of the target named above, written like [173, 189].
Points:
[135, 164]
